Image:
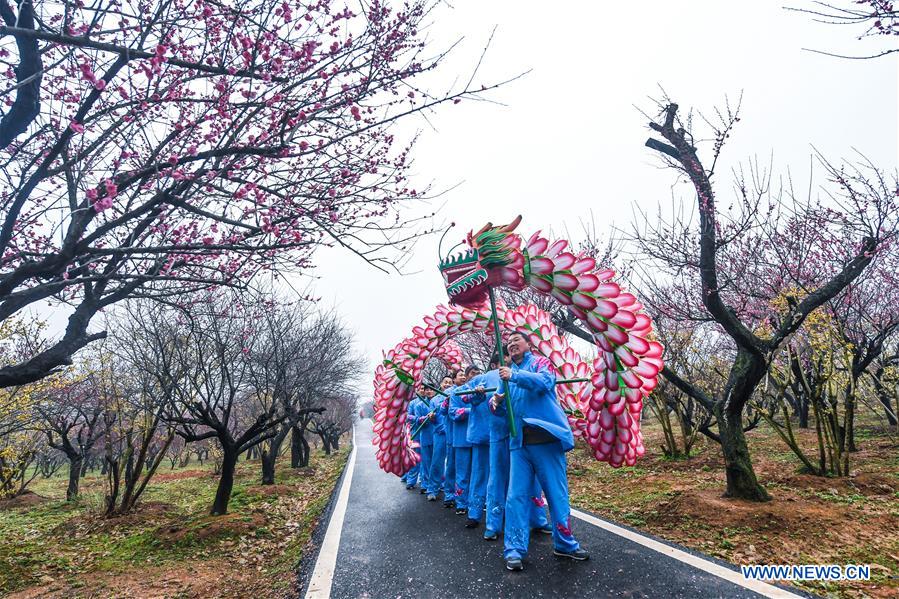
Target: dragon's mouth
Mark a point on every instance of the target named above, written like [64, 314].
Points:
[464, 282]
[462, 274]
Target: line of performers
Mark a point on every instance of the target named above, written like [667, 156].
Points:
[467, 452]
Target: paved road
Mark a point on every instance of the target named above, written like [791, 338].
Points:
[394, 543]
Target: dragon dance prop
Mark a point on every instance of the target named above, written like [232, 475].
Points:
[605, 410]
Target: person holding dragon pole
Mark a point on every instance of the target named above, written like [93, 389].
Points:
[459, 411]
[449, 478]
[411, 477]
[498, 471]
[424, 421]
[538, 451]
[438, 456]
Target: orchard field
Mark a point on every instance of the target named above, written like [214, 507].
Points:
[169, 546]
[810, 519]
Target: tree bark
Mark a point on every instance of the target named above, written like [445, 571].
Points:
[129, 462]
[884, 397]
[75, 465]
[112, 474]
[802, 410]
[295, 447]
[299, 447]
[305, 451]
[888, 410]
[741, 480]
[268, 466]
[270, 452]
[326, 443]
[747, 371]
[226, 483]
[850, 421]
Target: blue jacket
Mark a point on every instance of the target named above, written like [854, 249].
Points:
[460, 421]
[420, 409]
[411, 417]
[439, 415]
[480, 419]
[499, 424]
[447, 421]
[534, 402]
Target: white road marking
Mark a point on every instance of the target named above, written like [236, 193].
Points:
[323, 573]
[762, 588]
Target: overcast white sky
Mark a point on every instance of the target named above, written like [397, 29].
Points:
[570, 139]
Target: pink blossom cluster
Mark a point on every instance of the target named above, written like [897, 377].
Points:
[104, 201]
[229, 195]
[88, 74]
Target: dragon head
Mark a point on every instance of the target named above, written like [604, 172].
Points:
[493, 258]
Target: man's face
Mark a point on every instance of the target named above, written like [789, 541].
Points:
[429, 393]
[446, 383]
[517, 346]
[473, 373]
[460, 377]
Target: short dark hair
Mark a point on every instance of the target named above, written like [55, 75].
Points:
[494, 359]
[454, 372]
[471, 369]
[522, 335]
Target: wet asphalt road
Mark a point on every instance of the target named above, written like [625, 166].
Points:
[396, 544]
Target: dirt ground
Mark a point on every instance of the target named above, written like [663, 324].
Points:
[810, 519]
[169, 547]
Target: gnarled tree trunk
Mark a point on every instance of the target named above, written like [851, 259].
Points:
[75, 464]
[226, 482]
[748, 369]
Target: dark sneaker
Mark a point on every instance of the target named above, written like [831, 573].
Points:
[578, 554]
[461, 510]
[547, 530]
[448, 504]
[410, 487]
[514, 564]
[423, 491]
[471, 523]
[490, 535]
[432, 497]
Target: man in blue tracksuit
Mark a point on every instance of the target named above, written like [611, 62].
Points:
[438, 457]
[411, 476]
[498, 476]
[538, 450]
[458, 413]
[449, 477]
[425, 437]
[478, 434]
